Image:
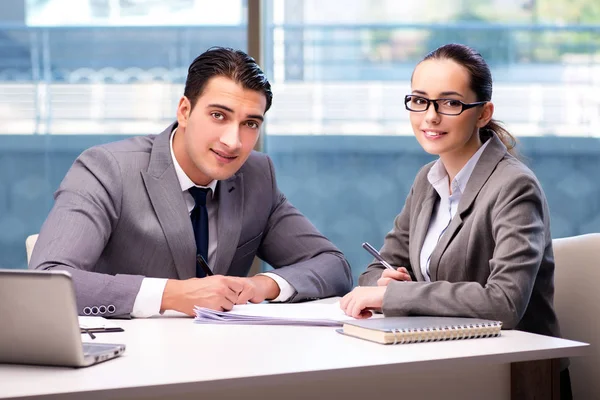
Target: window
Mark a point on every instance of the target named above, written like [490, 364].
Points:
[338, 132]
[104, 70]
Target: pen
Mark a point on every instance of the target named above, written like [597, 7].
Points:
[376, 254]
[89, 333]
[204, 265]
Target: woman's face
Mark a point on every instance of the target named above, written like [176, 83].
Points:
[447, 135]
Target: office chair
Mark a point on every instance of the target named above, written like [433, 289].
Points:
[577, 303]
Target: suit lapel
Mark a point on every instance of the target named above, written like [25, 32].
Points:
[422, 225]
[166, 197]
[492, 155]
[439, 249]
[231, 200]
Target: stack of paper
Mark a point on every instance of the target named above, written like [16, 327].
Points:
[307, 314]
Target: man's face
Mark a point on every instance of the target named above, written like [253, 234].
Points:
[214, 139]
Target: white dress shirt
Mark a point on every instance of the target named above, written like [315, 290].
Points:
[444, 209]
[149, 298]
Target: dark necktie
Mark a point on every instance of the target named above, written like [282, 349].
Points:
[199, 218]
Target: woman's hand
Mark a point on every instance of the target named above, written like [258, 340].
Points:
[359, 302]
[400, 274]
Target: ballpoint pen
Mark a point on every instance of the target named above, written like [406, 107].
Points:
[89, 333]
[204, 265]
[376, 254]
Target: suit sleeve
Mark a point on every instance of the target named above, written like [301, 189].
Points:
[85, 212]
[395, 247]
[519, 234]
[300, 253]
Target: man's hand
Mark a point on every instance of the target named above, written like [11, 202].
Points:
[257, 289]
[400, 274]
[216, 292]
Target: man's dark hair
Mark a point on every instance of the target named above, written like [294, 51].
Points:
[233, 64]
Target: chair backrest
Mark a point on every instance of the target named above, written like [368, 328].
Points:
[577, 303]
[29, 244]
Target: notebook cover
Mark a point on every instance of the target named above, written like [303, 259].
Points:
[412, 323]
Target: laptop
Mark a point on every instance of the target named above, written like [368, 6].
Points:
[40, 324]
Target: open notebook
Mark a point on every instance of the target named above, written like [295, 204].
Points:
[308, 314]
[97, 324]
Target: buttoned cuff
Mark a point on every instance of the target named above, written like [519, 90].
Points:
[285, 289]
[149, 298]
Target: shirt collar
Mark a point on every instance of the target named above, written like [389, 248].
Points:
[438, 172]
[184, 181]
[465, 173]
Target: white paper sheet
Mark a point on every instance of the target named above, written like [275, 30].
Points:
[89, 322]
[275, 314]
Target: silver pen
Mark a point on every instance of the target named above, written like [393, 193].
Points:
[376, 254]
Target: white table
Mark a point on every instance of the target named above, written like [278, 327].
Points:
[175, 358]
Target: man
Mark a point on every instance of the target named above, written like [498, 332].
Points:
[133, 221]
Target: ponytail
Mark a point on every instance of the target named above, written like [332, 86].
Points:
[505, 136]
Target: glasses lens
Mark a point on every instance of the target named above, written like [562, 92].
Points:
[416, 103]
[449, 106]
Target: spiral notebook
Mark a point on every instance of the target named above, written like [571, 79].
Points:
[400, 330]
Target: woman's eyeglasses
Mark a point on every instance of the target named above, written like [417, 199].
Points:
[442, 106]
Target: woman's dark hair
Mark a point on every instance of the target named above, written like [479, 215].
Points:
[480, 84]
[233, 64]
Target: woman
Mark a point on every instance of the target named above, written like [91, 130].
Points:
[475, 229]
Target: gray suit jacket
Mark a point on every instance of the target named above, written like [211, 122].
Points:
[494, 261]
[120, 215]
